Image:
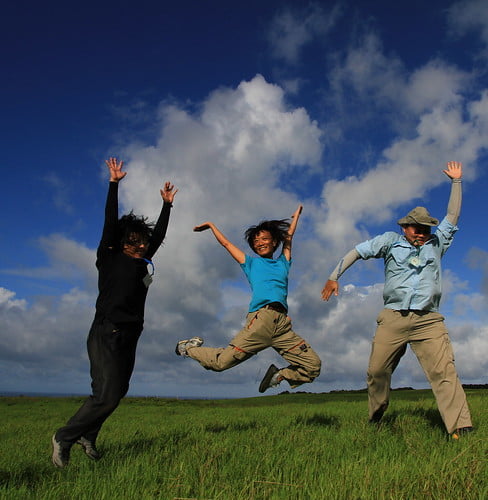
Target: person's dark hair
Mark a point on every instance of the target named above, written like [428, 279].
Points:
[134, 224]
[277, 228]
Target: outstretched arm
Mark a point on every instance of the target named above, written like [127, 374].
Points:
[332, 285]
[168, 195]
[454, 171]
[235, 252]
[291, 231]
[109, 233]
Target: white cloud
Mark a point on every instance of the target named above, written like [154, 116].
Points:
[434, 84]
[365, 78]
[469, 15]
[68, 259]
[49, 333]
[478, 259]
[227, 159]
[292, 29]
[470, 348]
[447, 126]
[7, 300]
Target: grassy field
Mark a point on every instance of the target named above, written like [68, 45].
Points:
[286, 447]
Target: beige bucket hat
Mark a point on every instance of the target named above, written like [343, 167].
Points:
[420, 216]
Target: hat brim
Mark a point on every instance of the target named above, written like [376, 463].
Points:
[410, 221]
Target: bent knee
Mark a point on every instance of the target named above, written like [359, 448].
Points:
[314, 371]
[375, 373]
[314, 363]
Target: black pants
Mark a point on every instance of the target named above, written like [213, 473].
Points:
[112, 353]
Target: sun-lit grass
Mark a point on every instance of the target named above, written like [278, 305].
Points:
[291, 446]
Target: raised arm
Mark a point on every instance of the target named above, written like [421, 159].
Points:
[454, 171]
[168, 195]
[109, 233]
[332, 285]
[235, 252]
[291, 231]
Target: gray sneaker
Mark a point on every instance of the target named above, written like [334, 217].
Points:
[89, 448]
[60, 452]
[272, 378]
[183, 345]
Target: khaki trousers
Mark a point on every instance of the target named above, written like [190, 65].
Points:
[264, 328]
[427, 335]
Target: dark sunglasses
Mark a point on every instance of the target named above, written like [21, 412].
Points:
[133, 242]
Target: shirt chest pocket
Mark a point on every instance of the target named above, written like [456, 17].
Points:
[404, 258]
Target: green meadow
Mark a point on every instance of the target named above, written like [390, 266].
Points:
[286, 447]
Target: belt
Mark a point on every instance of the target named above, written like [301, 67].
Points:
[406, 312]
[276, 306]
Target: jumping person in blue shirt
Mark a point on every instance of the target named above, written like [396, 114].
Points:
[411, 296]
[267, 323]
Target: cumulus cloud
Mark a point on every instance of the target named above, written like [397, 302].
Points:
[478, 259]
[411, 165]
[67, 259]
[469, 15]
[7, 300]
[364, 76]
[226, 159]
[292, 29]
[45, 338]
[228, 156]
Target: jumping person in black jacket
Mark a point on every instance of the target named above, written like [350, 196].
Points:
[124, 274]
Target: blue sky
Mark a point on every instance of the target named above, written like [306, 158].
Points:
[351, 108]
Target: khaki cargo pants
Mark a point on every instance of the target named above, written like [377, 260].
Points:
[264, 328]
[427, 335]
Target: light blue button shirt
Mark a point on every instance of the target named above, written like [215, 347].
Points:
[412, 274]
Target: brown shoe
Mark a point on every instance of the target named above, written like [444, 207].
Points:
[462, 431]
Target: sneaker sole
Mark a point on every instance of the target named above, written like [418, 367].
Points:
[267, 378]
[60, 464]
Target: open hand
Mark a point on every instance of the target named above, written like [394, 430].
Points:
[454, 170]
[168, 192]
[331, 287]
[115, 169]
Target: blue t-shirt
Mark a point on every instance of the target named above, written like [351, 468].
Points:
[268, 279]
[412, 274]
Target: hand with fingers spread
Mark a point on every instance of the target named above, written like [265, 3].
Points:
[168, 192]
[115, 169]
[454, 170]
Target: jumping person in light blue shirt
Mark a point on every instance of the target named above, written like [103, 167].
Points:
[267, 322]
[411, 296]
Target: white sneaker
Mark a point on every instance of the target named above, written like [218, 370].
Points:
[183, 345]
[89, 448]
[60, 452]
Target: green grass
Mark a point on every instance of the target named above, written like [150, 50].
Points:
[286, 447]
